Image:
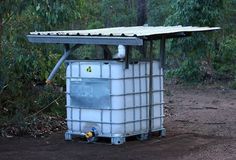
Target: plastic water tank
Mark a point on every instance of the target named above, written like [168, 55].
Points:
[115, 100]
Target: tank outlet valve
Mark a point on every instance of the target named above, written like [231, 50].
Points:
[91, 135]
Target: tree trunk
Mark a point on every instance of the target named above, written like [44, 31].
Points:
[141, 20]
[1, 32]
[141, 12]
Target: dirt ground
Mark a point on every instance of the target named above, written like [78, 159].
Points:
[200, 124]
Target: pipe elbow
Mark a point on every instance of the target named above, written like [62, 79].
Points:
[121, 52]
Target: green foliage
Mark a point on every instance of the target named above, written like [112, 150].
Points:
[8, 7]
[118, 13]
[233, 84]
[158, 11]
[224, 61]
[200, 47]
[228, 18]
[196, 12]
[55, 13]
[209, 56]
[188, 72]
[91, 15]
[25, 66]
[21, 59]
[7, 11]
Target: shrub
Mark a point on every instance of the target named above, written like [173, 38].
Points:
[189, 71]
[224, 61]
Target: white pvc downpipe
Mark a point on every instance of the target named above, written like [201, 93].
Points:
[121, 52]
[67, 52]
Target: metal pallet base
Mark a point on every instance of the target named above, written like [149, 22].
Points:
[118, 140]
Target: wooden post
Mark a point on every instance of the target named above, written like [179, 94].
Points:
[127, 56]
[162, 51]
[150, 86]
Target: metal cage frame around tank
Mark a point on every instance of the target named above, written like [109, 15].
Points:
[125, 108]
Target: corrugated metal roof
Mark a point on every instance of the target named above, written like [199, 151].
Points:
[137, 31]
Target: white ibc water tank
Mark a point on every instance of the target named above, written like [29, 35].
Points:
[104, 95]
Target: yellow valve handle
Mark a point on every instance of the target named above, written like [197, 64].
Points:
[89, 134]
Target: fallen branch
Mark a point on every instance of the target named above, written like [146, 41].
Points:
[48, 105]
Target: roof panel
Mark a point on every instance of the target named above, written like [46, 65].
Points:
[98, 40]
[139, 31]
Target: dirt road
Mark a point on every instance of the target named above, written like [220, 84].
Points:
[200, 123]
